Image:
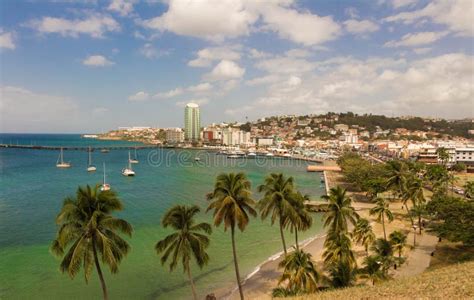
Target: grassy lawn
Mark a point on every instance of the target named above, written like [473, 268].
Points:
[462, 178]
[448, 253]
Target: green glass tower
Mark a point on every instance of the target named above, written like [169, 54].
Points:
[192, 122]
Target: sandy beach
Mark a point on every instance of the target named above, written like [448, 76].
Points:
[260, 283]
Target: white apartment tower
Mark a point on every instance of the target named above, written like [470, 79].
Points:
[192, 122]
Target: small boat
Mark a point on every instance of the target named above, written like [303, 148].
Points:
[197, 159]
[105, 186]
[269, 154]
[251, 155]
[128, 171]
[287, 155]
[104, 150]
[60, 163]
[90, 166]
[134, 160]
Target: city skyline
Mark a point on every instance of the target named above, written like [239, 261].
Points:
[89, 66]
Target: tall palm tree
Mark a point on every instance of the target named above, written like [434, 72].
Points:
[278, 192]
[342, 274]
[301, 220]
[299, 272]
[413, 191]
[87, 225]
[337, 248]
[398, 240]
[443, 155]
[231, 204]
[383, 251]
[397, 172]
[372, 270]
[363, 233]
[469, 190]
[382, 210]
[418, 210]
[340, 211]
[189, 240]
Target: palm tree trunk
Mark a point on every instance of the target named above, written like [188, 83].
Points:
[409, 215]
[419, 222]
[296, 239]
[99, 271]
[236, 264]
[282, 237]
[193, 288]
[383, 225]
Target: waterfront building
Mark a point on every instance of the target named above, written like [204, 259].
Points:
[174, 135]
[192, 122]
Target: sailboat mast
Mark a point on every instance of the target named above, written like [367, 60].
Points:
[90, 157]
[62, 159]
[129, 161]
[104, 172]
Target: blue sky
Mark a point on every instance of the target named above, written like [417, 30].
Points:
[89, 66]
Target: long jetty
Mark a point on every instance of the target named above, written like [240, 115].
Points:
[79, 148]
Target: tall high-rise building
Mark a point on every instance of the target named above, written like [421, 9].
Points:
[192, 122]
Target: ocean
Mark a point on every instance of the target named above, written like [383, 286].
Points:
[32, 190]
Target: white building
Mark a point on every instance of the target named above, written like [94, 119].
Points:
[465, 155]
[264, 141]
[174, 135]
[235, 137]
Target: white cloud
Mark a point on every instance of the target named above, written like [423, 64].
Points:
[122, 7]
[95, 25]
[226, 70]
[150, 52]
[422, 50]
[300, 27]
[352, 12]
[36, 111]
[214, 20]
[416, 39]
[284, 64]
[360, 27]
[205, 57]
[97, 61]
[199, 101]
[100, 110]
[139, 96]
[262, 80]
[202, 87]
[298, 53]
[455, 14]
[441, 86]
[402, 3]
[219, 20]
[256, 54]
[169, 94]
[6, 40]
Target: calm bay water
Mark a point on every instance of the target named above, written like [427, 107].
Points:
[31, 194]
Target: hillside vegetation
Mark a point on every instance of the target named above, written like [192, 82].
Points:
[453, 282]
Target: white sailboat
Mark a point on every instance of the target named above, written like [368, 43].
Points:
[128, 171]
[105, 186]
[90, 166]
[134, 160]
[60, 163]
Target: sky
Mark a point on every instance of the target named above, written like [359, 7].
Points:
[92, 66]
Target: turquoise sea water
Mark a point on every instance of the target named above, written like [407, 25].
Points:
[31, 193]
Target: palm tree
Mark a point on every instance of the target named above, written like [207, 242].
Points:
[232, 203]
[342, 274]
[383, 251]
[469, 189]
[443, 155]
[419, 210]
[301, 220]
[398, 240]
[413, 191]
[372, 270]
[278, 192]
[337, 248]
[397, 171]
[339, 211]
[299, 272]
[363, 233]
[382, 210]
[86, 223]
[189, 240]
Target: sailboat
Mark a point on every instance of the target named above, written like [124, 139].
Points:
[128, 171]
[60, 163]
[134, 160]
[90, 166]
[105, 186]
